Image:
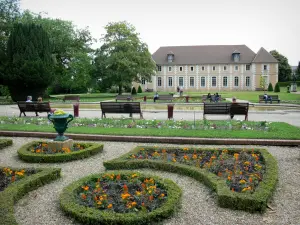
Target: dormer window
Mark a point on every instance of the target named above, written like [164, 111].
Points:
[236, 56]
[170, 57]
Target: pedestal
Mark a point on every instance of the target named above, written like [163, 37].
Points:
[61, 144]
[294, 87]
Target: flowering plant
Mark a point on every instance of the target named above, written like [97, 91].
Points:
[43, 148]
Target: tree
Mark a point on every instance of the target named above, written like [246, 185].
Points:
[284, 69]
[262, 82]
[140, 89]
[133, 91]
[277, 87]
[270, 87]
[298, 71]
[30, 62]
[125, 57]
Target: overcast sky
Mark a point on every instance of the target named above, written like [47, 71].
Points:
[272, 24]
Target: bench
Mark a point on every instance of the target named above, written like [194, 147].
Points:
[204, 98]
[34, 107]
[274, 98]
[71, 97]
[124, 97]
[165, 97]
[226, 109]
[148, 90]
[121, 107]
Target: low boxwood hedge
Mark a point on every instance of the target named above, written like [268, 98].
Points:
[16, 190]
[87, 215]
[252, 202]
[5, 142]
[28, 156]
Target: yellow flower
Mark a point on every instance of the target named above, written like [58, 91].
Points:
[185, 149]
[19, 173]
[174, 160]
[138, 193]
[194, 156]
[109, 206]
[125, 196]
[86, 188]
[242, 181]
[134, 175]
[186, 157]
[246, 189]
[247, 163]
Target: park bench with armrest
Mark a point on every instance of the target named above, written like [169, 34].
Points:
[34, 107]
[274, 98]
[124, 97]
[121, 107]
[165, 97]
[226, 109]
[71, 98]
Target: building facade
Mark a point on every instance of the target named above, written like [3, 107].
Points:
[211, 68]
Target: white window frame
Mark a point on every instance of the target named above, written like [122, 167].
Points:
[265, 66]
[236, 68]
[203, 79]
[158, 81]
[236, 79]
[143, 81]
[192, 69]
[248, 66]
[203, 68]
[225, 79]
[192, 79]
[158, 68]
[170, 68]
[170, 80]
[179, 83]
[212, 78]
[180, 68]
[248, 81]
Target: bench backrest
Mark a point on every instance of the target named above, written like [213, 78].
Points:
[274, 97]
[165, 97]
[120, 107]
[34, 106]
[239, 108]
[216, 108]
[71, 97]
[123, 97]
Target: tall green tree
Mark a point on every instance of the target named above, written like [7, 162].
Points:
[298, 71]
[30, 61]
[124, 57]
[284, 69]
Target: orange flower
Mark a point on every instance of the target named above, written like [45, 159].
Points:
[109, 206]
[219, 174]
[229, 178]
[174, 160]
[86, 188]
[164, 151]
[125, 188]
[83, 196]
[185, 149]
[118, 177]
[151, 198]
[186, 157]
[143, 204]
[38, 150]
[133, 204]
[236, 156]
[13, 178]
[125, 196]
[250, 180]
[194, 156]
[162, 195]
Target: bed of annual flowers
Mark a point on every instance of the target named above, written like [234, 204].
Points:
[242, 170]
[122, 193]
[43, 148]
[8, 176]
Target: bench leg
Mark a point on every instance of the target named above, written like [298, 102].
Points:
[246, 117]
[103, 114]
[141, 116]
[130, 114]
[36, 114]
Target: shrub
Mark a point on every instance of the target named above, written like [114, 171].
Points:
[140, 89]
[5, 142]
[270, 87]
[277, 87]
[133, 91]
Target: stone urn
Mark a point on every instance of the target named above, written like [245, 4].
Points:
[60, 123]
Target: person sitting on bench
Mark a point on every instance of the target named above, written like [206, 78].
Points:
[267, 98]
[233, 102]
[156, 96]
[29, 99]
[209, 97]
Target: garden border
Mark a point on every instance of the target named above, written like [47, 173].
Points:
[226, 198]
[88, 215]
[15, 191]
[5, 143]
[28, 156]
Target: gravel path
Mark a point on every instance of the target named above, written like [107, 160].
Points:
[198, 203]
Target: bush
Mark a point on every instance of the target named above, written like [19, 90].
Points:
[277, 87]
[133, 91]
[5, 142]
[140, 89]
[270, 87]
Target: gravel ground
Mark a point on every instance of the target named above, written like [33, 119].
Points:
[199, 204]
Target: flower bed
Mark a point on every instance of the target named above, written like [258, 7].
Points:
[40, 152]
[13, 191]
[243, 178]
[120, 198]
[5, 142]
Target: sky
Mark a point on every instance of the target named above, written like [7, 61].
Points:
[271, 24]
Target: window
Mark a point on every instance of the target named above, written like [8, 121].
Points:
[180, 81]
[225, 81]
[236, 57]
[247, 67]
[236, 68]
[143, 81]
[170, 58]
[192, 68]
[214, 81]
[225, 68]
[180, 68]
[159, 68]
[170, 68]
[159, 81]
[202, 81]
[214, 68]
[265, 67]
[170, 79]
[236, 81]
[247, 81]
[203, 68]
[192, 81]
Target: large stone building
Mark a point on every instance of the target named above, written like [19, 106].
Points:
[211, 68]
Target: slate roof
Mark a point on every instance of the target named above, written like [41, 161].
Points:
[263, 56]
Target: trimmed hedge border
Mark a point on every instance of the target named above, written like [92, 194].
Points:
[256, 202]
[87, 215]
[28, 156]
[5, 142]
[16, 190]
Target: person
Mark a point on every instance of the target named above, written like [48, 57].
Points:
[267, 98]
[40, 99]
[209, 96]
[217, 97]
[181, 91]
[233, 102]
[29, 99]
[178, 89]
[156, 96]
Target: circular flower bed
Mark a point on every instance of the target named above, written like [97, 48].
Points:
[120, 198]
[41, 152]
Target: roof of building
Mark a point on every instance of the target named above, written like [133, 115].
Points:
[210, 54]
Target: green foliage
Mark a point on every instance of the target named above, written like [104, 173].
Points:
[15, 191]
[133, 91]
[262, 82]
[251, 202]
[277, 87]
[297, 72]
[89, 215]
[140, 89]
[5, 142]
[4, 91]
[270, 87]
[284, 69]
[26, 155]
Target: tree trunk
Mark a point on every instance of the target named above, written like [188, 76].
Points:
[120, 89]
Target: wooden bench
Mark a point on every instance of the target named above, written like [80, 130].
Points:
[165, 97]
[34, 107]
[124, 97]
[71, 98]
[226, 109]
[274, 98]
[148, 90]
[121, 107]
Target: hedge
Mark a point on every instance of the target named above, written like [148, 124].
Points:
[255, 202]
[28, 156]
[5, 142]
[16, 190]
[87, 215]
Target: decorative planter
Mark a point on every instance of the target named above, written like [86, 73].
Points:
[60, 123]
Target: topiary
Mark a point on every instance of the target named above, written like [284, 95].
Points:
[140, 89]
[270, 87]
[133, 91]
[277, 87]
